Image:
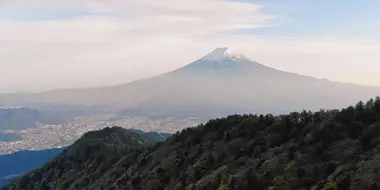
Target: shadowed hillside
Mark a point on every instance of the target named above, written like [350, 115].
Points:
[325, 150]
[18, 163]
[88, 158]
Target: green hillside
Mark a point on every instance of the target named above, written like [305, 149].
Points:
[86, 160]
[326, 150]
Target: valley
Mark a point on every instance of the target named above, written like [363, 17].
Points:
[53, 136]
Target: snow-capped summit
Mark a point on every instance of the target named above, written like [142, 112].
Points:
[224, 53]
[217, 55]
[223, 61]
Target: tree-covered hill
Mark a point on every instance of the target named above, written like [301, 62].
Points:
[18, 163]
[86, 160]
[325, 150]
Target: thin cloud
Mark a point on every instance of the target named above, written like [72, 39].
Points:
[120, 40]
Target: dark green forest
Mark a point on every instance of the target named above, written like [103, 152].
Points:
[324, 150]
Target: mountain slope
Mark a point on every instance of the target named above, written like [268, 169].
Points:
[329, 150]
[220, 83]
[18, 163]
[221, 61]
[87, 159]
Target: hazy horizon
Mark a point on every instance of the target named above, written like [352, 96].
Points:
[110, 84]
[46, 45]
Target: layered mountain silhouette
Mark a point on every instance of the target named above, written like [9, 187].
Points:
[222, 82]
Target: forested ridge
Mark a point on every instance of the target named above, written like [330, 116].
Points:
[329, 150]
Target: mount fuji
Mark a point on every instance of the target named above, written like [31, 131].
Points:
[223, 61]
[222, 82]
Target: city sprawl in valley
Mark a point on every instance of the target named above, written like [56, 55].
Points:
[53, 136]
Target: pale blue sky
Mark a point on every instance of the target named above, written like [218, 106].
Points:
[295, 18]
[80, 43]
[299, 18]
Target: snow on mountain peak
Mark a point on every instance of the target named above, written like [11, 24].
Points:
[217, 54]
[220, 54]
[222, 61]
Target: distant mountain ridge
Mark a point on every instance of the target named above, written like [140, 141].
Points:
[154, 136]
[220, 83]
[25, 117]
